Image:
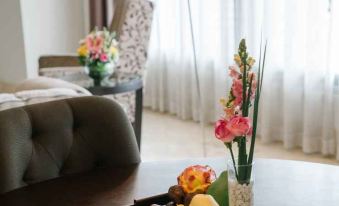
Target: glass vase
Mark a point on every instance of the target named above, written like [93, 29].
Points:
[240, 184]
[100, 72]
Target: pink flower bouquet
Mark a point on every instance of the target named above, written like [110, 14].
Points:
[236, 125]
[98, 52]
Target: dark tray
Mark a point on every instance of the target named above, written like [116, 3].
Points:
[161, 199]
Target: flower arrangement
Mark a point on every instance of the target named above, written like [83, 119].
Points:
[99, 53]
[98, 47]
[235, 126]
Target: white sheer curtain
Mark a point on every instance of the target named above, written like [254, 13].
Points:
[300, 102]
[171, 83]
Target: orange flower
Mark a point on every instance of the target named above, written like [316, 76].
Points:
[196, 178]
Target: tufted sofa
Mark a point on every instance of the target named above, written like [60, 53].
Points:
[48, 140]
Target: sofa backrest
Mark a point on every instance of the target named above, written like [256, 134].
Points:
[48, 140]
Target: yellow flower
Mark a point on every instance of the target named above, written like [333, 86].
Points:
[223, 101]
[237, 59]
[250, 61]
[82, 50]
[114, 51]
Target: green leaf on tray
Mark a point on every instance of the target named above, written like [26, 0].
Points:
[218, 189]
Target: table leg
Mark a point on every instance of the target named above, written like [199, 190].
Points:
[138, 116]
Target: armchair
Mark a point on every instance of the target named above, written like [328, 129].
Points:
[132, 21]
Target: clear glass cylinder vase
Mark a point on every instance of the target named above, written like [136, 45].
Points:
[240, 184]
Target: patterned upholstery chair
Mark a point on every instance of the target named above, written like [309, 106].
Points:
[132, 22]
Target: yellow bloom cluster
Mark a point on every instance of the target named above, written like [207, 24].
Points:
[237, 59]
[250, 60]
[114, 51]
[223, 102]
[82, 50]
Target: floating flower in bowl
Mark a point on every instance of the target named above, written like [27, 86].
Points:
[192, 181]
[196, 178]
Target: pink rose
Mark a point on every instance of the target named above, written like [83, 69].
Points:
[221, 131]
[233, 72]
[239, 126]
[103, 57]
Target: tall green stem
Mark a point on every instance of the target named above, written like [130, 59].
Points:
[242, 159]
[244, 86]
[242, 152]
[256, 110]
[229, 146]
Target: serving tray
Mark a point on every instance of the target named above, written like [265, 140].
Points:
[161, 199]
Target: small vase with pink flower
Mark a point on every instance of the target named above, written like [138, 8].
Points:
[99, 54]
[238, 125]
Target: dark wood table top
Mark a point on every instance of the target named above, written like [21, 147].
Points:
[277, 182]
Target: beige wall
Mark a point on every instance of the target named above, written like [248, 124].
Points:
[31, 28]
[51, 27]
[12, 50]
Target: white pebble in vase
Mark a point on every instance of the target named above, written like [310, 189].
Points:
[240, 194]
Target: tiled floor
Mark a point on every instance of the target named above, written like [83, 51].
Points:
[165, 137]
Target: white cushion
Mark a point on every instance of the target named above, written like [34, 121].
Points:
[22, 98]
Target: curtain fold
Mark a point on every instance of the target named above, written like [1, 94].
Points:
[101, 13]
[171, 84]
[300, 99]
[297, 104]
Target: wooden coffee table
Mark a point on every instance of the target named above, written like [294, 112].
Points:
[278, 182]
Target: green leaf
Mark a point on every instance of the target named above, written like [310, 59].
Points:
[219, 189]
[256, 108]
